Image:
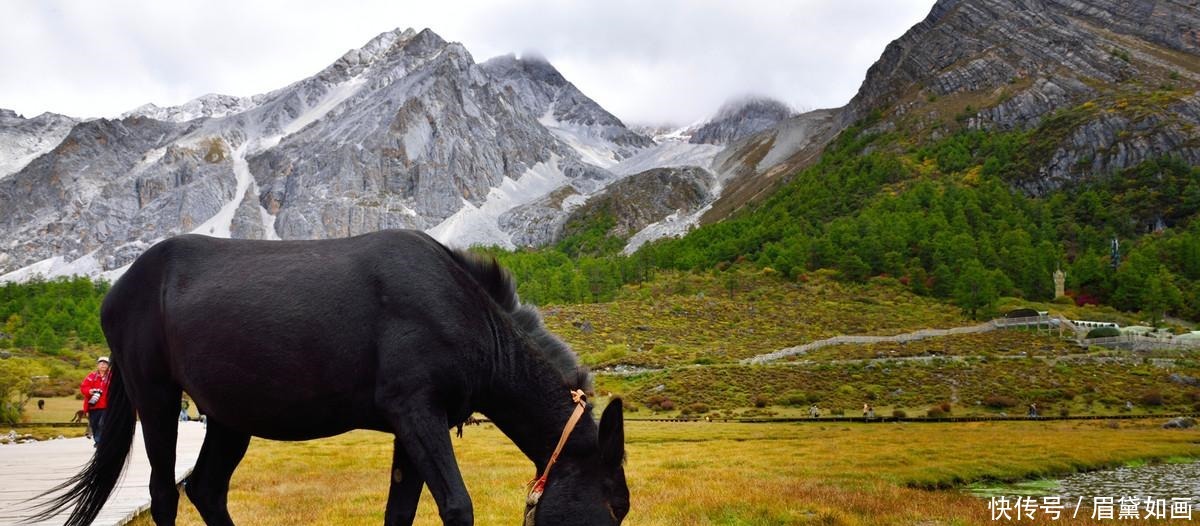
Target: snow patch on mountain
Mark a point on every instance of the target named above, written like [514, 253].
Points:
[674, 225]
[671, 153]
[23, 140]
[592, 147]
[55, 267]
[337, 95]
[212, 105]
[479, 226]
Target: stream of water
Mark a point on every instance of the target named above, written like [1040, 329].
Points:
[1157, 481]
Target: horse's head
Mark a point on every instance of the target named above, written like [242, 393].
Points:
[588, 488]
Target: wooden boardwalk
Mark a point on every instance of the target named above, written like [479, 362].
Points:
[29, 469]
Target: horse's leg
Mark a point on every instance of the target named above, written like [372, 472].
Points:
[157, 406]
[208, 485]
[422, 432]
[404, 491]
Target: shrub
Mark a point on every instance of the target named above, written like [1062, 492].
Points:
[698, 408]
[660, 403]
[795, 398]
[1064, 412]
[1152, 398]
[761, 401]
[945, 407]
[935, 412]
[216, 151]
[611, 353]
[1103, 332]
[999, 401]
[899, 413]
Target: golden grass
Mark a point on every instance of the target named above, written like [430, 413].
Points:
[58, 409]
[712, 474]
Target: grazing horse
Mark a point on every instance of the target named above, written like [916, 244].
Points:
[389, 331]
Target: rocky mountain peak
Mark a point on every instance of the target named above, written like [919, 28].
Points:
[542, 90]
[740, 118]
[530, 65]
[541, 87]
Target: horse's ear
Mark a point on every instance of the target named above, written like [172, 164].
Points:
[612, 435]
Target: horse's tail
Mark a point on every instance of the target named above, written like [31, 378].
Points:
[86, 492]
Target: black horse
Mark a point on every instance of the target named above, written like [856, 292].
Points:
[389, 331]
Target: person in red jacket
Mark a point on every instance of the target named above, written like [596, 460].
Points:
[95, 397]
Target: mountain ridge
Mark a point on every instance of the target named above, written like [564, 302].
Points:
[406, 131]
[1086, 89]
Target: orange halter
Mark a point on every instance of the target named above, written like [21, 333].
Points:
[538, 485]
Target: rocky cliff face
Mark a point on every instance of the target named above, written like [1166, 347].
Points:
[649, 197]
[110, 184]
[643, 206]
[753, 167]
[541, 90]
[1122, 78]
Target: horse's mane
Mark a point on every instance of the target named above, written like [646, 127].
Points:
[499, 284]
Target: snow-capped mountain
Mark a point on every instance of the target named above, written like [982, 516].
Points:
[406, 131]
[23, 140]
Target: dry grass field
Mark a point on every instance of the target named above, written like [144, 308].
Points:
[714, 474]
[58, 409]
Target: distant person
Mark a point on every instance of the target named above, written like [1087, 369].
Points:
[95, 397]
[866, 408]
[1033, 411]
[41, 404]
[814, 411]
[870, 411]
[183, 407]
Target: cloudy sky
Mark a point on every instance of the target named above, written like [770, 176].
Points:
[646, 61]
